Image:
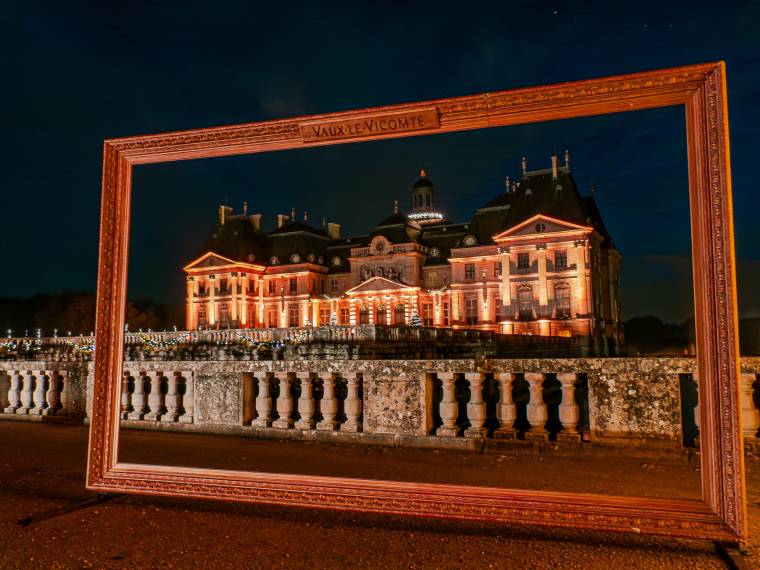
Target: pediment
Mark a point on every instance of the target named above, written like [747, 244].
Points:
[375, 284]
[540, 225]
[209, 259]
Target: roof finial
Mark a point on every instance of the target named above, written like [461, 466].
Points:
[395, 206]
[524, 165]
[507, 184]
[423, 174]
[324, 222]
[305, 216]
[592, 188]
[245, 207]
[554, 165]
[567, 158]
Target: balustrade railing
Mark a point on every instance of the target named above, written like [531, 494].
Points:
[35, 392]
[157, 396]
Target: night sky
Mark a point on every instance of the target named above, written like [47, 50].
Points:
[75, 74]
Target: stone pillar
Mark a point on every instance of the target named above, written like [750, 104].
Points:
[505, 292]
[138, 398]
[14, 393]
[537, 412]
[750, 415]
[284, 402]
[449, 408]
[188, 398]
[234, 297]
[476, 407]
[263, 403]
[305, 402]
[26, 393]
[190, 323]
[53, 395]
[543, 292]
[569, 414]
[328, 406]
[172, 398]
[244, 302]
[155, 398]
[124, 412]
[65, 393]
[211, 311]
[38, 396]
[506, 411]
[352, 405]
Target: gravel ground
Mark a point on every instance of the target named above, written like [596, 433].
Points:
[42, 468]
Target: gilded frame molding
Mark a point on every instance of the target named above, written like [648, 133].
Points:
[721, 513]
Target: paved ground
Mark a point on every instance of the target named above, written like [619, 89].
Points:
[42, 468]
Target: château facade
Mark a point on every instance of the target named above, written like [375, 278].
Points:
[535, 260]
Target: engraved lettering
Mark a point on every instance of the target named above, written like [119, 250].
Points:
[362, 127]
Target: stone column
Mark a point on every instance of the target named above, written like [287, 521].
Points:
[569, 414]
[449, 408]
[124, 396]
[155, 398]
[38, 396]
[138, 398]
[543, 292]
[750, 415]
[188, 398]
[505, 292]
[537, 412]
[506, 411]
[14, 393]
[353, 404]
[211, 311]
[305, 402]
[284, 402]
[53, 395]
[476, 407]
[190, 323]
[172, 398]
[263, 403]
[26, 393]
[328, 406]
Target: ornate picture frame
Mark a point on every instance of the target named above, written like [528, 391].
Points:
[701, 89]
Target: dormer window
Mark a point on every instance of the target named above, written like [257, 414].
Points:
[274, 260]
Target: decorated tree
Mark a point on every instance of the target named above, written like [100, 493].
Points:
[415, 321]
[333, 319]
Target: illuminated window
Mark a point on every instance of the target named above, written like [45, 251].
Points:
[445, 314]
[380, 317]
[293, 315]
[427, 314]
[293, 285]
[333, 286]
[562, 300]
[469, 271]
[525, 303]
[432, 280]
[560, 259]
[497, 269]
[471, 311]
[364, 316]
[272, 319]
[345, 315]
[324, 316]
[523, 261]
[399, 315]
[272, 287]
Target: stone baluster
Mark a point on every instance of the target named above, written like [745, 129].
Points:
[750, 415]
[449, 408]
[188, 398]
[138, 398]
[53, 396]
[305, 402]
[352, 405]
[38, 396]
[65, 393]
[26, 393]
[171, 399]
[263, 403]
[506, 411]
[125, 399]
[14, 393]
[569, 414]
[537, 411]
[155, 398]
[328, 405]
[476, 407]
[284, 402]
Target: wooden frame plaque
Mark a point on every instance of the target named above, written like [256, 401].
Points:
[701, 89]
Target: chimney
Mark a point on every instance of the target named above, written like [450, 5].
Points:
[255, 220]
[224, 211]
[554, 166]
[567, 159]
[333, 230]
[281, 219]
[245, 208]
[524, 166]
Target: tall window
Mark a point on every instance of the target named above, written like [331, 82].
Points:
[293, 285]
[272, 287]
[222, 286]
[399, 315]
[471, 311]
[333, 286]
[345, 315]
[380, 317]
[224, 314]
[445, 314]
[272, 319]
[562, 300]
[324, 316]
[525, 302]
[560, 259]
[497, 268]
[293, 315]
[523, 261]
[469, 271]
[427, 314]
[432, 280]
[364, 315]
[201, 314]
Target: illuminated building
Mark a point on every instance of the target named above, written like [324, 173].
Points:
[536, 259]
